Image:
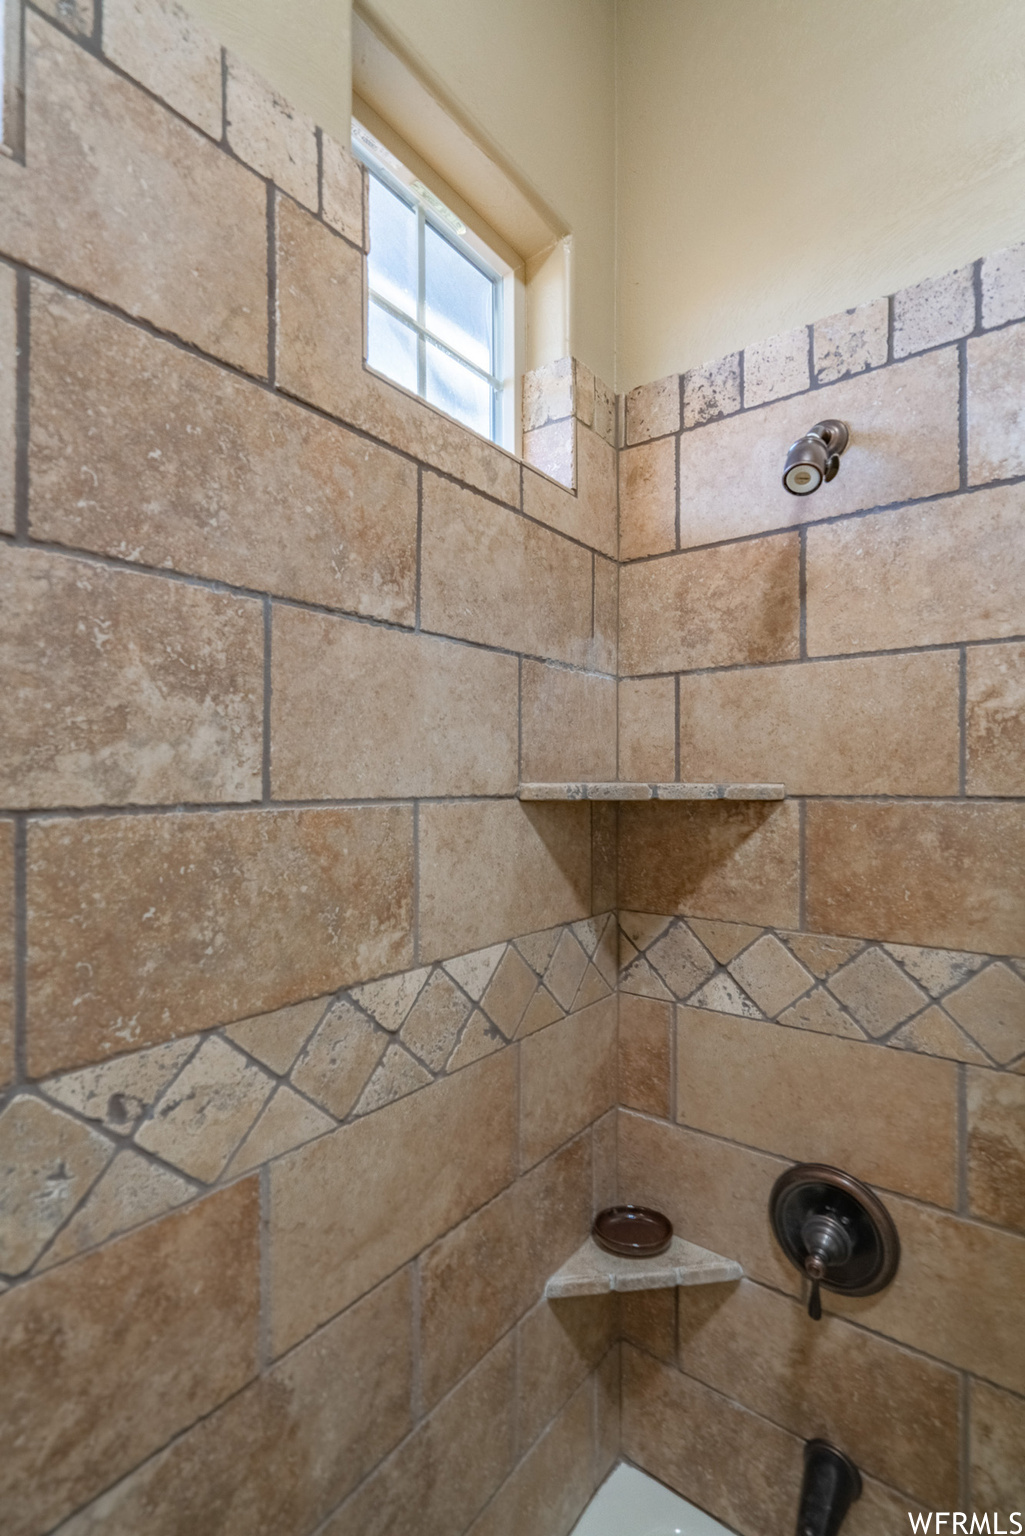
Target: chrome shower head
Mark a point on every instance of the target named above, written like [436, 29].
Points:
[815, 457]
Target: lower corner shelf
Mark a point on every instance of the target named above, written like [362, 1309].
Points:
[591, 1271]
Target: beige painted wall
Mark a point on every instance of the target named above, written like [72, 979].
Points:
[300, 46]
[780, 160]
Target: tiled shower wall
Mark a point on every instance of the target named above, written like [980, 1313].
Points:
[837, 977]
[291, 1134]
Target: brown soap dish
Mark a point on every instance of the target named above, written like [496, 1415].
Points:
[632, 1231]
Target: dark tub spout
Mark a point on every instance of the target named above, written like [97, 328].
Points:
[831, 1484]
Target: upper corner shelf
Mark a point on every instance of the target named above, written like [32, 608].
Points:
[591, 1272]
[632, 791]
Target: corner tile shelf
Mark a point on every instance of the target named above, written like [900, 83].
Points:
[591, 1271]
[631, 791]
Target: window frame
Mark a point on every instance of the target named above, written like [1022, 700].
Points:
[496, 381]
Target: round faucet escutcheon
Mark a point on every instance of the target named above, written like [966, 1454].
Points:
[835, 1230]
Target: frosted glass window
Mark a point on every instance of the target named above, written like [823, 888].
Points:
[434, 306]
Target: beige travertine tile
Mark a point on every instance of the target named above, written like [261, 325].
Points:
[996, 373]
[129, 1192]
[337, 1062]
[598, 519]
[605, 412]
[851, 341]
[956, 1296]
[548, 393]
[538, 948]
[360, 712]
[997, 1434]
[567, 1079]
[681, 960]
[493, 868]
[6, 951]
[903, 444]
[73, 15]
[542, 1010]
[723, 995]
[935, 1034]
[124, 688]
[474, 971]
[820, 1011]
[566, 970]
[876, 992]
[480, 1038]
[8, 394]
[717, 859]
[287, 1121]
[770, 974]
[637, 977]
[97, 218]
[936, 969]
[510, 991]
[206, 1111]
[277, 1038]
[159, 44]
[568, 724]
[604, 649]
[603, 1144]
[560, 1342]
[870, 726]
[715, 1194]
[342, 186]
[592, 989]
[320, 359]
[1003, 286]
[991, 1007]
[165, 911]
[203, 473]
[438, 1479]
[109, 1356]
[644, 1054]
[648, 1319]
[933, 575]
[390, 999]
[777, 366]
[608, 1398]
[711, 390]
[647, 727]
[711, 607]
[48, 1163]
[493, 577]
[935, 874]
[778, 1089]
[934, 311]
[482, 1277]
[897, 1416]
[996, 1147]
[119, 1093]
[881, 1511]
[553, 1482]
[398, 1075]
[280, 1455]
[739, 1467]
[583, 393]
[647, 499]
[434, 1021]
[348, 1209]
[723, 939]
[822, 955]
[995, 720]
[552, 450]
[269, 134]
[652, 410]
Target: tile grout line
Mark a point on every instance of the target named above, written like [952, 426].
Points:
[224, 98]
[417, 1411]
[965, 1438]
[272, 287]
[22, 406]
[268, 610]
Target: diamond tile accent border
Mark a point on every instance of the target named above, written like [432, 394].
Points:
[939, 1002]
[88, 1154]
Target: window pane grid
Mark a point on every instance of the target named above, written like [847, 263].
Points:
[428, 336]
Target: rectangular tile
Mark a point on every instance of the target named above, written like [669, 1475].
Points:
[568, 722]
[897, 1416]
[493, 869]
[647, 729]
[481, 1278]
[996, 1147]
[165, 913]
[645, 1026]
[350, 1208]
[882, 725]
[286, 1450]
[851, 341]
[603, 654]
[598, 519]
[443, 1475]
[553, 1482]
[736, 861]
[647, 498]
[903, 445]
[995, 720]
[997, 1434]
[715, 1194]
[491, 576]
[269, 134]
[142, 451]
[8, 394]
[560, 1343]
[125, 688]
[320, 358]
[652, 410]
[169, 53]
[109, 1356]
[947, 875]
[6, 951]
[711, 607]
[361, 712]
[567, 1079]
[159, 220]
[996, 376]
[933, 575]
[737, 1466]
[776, 1089]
